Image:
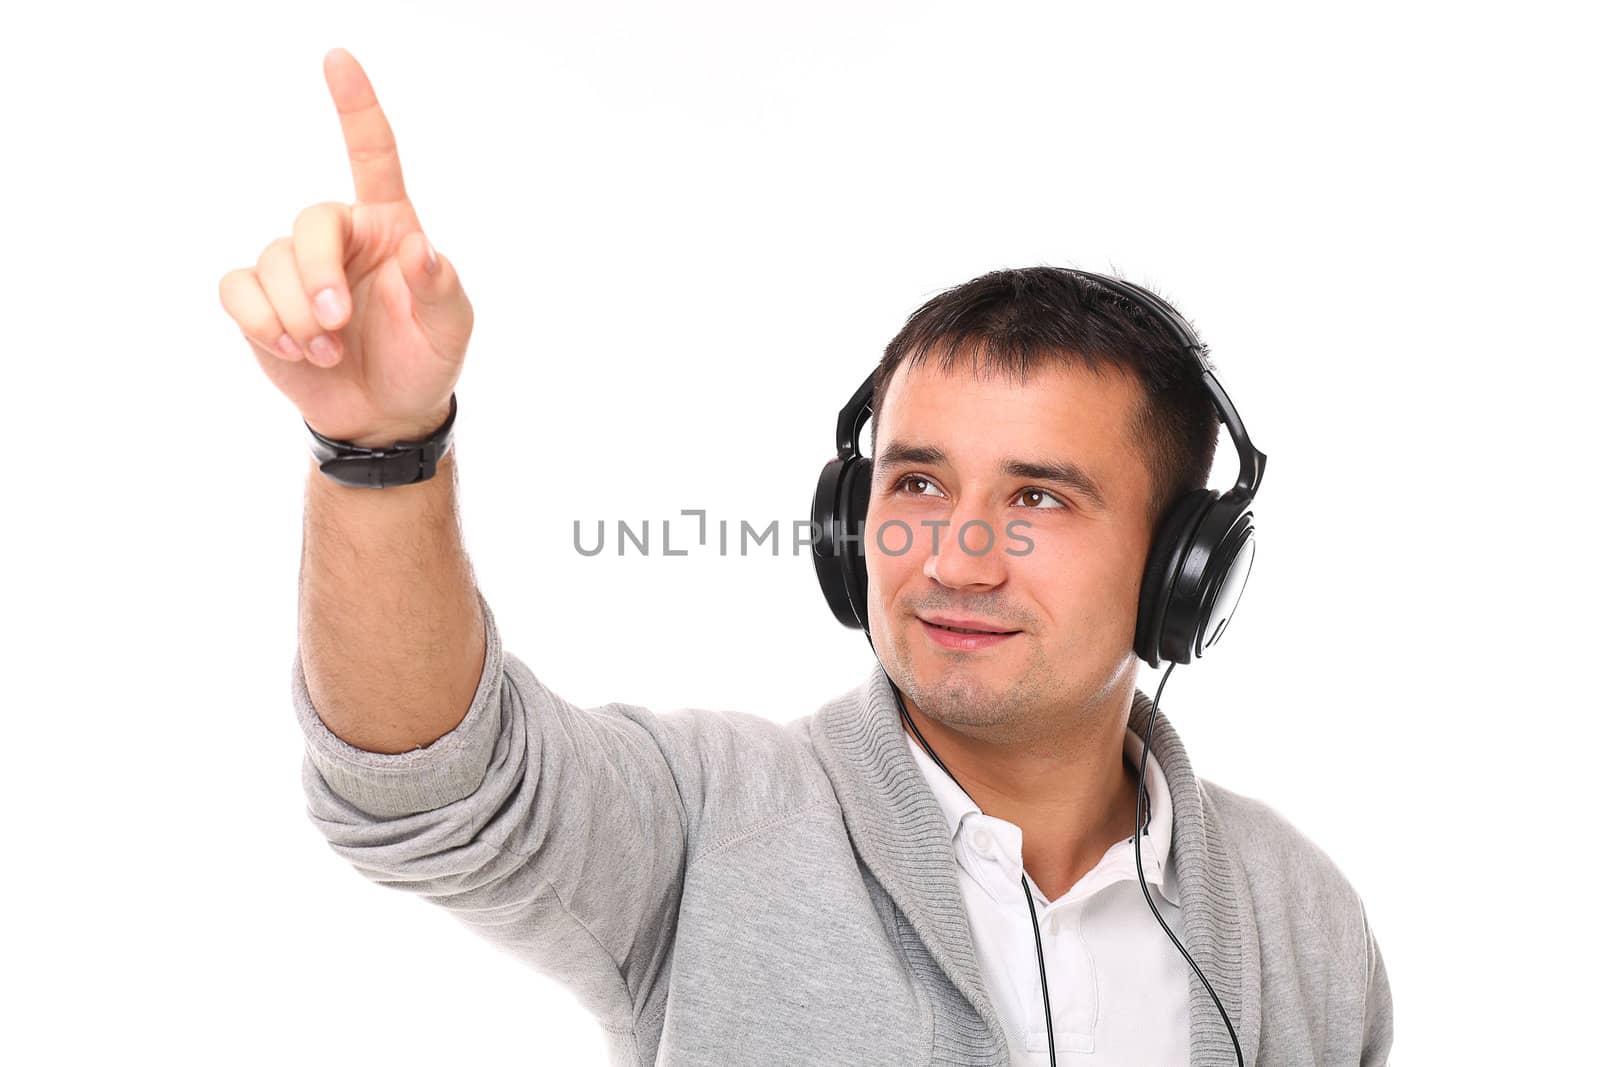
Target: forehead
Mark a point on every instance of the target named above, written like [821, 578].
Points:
[1065, 408]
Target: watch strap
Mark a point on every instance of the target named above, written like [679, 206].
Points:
[405, 462]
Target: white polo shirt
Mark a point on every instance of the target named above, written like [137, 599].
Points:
[1119, 987]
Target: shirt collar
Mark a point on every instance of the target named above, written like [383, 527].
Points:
[902, 841]
[1156, 846]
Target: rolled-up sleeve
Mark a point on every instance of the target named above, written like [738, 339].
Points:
[387, 785]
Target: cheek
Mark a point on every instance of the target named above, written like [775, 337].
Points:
[894, 556]
[1075, 581]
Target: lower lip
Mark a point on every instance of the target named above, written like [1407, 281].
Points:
[965, 642]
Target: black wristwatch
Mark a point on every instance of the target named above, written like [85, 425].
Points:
[402, 463]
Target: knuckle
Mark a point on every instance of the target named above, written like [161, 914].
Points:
[317, 216]
[381, 153]
[275, 253]
[244, 301]
[228, 288]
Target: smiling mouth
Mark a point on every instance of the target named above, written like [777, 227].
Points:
[959, 630]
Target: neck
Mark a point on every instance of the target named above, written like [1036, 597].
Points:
[1072, 795]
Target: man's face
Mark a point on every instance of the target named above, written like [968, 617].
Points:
[943, 444]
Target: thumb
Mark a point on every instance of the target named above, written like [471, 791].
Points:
[438, 303]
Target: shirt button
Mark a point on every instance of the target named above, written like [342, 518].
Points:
[983, 842]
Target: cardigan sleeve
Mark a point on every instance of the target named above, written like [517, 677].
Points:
[1378, 1028]
[555, 832]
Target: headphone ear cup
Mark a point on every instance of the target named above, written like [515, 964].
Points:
[824, 549]
[1162, 568]
[856, 494]
[1210, 579]
[838, 513]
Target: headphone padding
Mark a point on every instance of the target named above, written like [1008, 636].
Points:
[855, 493]
[825, 555]
[1161, 570]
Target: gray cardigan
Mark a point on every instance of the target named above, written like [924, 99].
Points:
[718, 888]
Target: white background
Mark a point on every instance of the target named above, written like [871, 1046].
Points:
[688, 231]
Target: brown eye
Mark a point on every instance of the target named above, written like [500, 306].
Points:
[1032, 492]
[912, 479]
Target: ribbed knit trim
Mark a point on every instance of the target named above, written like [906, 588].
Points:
[391, 784]
[901, 834]
[1218, 926]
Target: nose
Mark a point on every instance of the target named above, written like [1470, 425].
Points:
[971, 552]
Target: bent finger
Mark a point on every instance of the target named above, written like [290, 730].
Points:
[280, 280]
[246, 302]
[321, 237]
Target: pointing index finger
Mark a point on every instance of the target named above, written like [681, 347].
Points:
[374, 160]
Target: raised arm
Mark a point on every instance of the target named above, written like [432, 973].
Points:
[364, 327]
[437, 763]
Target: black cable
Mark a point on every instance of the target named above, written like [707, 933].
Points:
[1138, 863]
[1038, 942]
[1044, 983]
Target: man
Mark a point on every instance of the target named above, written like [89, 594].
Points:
[721, 889]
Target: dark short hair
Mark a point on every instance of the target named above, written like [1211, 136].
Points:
[1012, 321]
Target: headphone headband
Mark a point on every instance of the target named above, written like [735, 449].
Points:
[1252, 462]
[852, 417]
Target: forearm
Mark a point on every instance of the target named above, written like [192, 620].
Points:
[391, 639]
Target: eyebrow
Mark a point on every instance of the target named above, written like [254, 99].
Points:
[1061, 472]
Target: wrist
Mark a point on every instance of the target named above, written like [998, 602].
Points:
[388, 433]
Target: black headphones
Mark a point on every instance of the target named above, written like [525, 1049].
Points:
[1200, 554]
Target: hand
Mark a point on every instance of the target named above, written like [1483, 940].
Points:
[354, 317]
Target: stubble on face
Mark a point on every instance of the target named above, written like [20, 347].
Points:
[1032, 709]
[1031, 690]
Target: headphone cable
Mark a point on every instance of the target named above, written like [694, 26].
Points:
[1138, 862]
